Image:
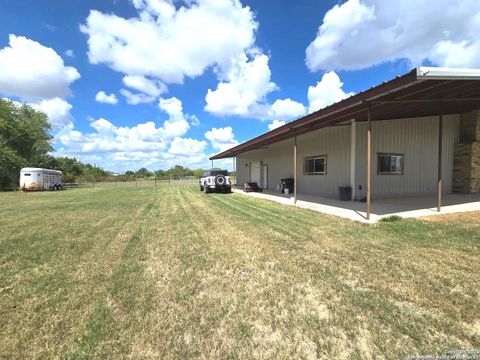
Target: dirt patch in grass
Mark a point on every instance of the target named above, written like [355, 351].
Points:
[471, 218]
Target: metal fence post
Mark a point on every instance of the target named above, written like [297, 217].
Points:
[169, 181]
[155, 181]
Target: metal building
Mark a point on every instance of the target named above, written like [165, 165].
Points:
[418, 134]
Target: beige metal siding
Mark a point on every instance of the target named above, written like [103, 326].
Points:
[278, 157]
[334, 142]
[417, 139]
[241, 167]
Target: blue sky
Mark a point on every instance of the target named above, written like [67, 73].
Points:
[155, 83]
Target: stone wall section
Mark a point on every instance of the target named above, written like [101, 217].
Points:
[466, 162]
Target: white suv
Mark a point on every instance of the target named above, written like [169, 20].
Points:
[215, 180]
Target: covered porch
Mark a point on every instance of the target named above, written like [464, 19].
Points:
[432, 93]
[405, 207]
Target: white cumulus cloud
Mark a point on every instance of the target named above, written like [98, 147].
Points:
[57, 110]
[70, 53]
[37, 75]
[136, 98]
[285, 109]
[32, 71]
[144, 85]
[187, 146]
[221, 139]
[102, 97]
[172, 106]
[326, 92]
[276, 124]
[361, 33]
[243, 89]
[131, 147]
[170, 43]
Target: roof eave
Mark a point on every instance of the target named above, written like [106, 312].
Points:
[353, 105]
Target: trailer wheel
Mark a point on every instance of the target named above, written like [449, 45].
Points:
[59, 187]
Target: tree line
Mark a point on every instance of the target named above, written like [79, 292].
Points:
[25, 141]
[177, 171]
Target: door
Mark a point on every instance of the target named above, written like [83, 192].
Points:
[255, 172]
[264, 176]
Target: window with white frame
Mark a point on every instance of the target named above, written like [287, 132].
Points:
[315, 165]
[390, 164]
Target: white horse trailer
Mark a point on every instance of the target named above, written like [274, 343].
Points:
[40, 179]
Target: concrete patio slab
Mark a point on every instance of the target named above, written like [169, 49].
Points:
[406, 207]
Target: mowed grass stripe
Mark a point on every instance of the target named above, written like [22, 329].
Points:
[362, 301]
[453, 330]
[282, 212]
[256, 213]
[326, 278]
[127, 294]
[77, 278]
[174, 273]
[217, 288]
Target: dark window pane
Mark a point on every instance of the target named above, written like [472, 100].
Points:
[385, 162]
[26, 174]
[320, 165]
[309, 166]
[390, 164]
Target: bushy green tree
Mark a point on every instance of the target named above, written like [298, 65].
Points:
[143, 173]
[72, 168]
[178, 171]
[161, 174]
[24, 140]
[92, 173]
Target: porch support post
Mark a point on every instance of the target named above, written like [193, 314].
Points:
[295, 170]
[369, 162]
[440, 144]
[353, 156]
[234, 169]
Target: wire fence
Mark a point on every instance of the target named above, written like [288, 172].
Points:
[139, 183]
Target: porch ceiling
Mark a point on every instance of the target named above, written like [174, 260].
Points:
[414, 94]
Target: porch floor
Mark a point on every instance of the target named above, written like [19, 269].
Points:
[406, 207]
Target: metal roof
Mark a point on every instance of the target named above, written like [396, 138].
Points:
[33, 169]
[417, 93]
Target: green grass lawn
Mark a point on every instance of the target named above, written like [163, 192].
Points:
[173, 273]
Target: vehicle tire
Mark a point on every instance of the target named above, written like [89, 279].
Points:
[220, 180]
[206, 190]
[60, 187]
[54, 187]
[201, 188]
